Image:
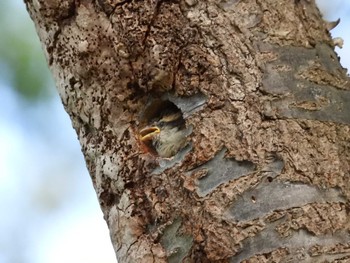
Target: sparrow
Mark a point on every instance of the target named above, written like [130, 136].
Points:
[166, 135]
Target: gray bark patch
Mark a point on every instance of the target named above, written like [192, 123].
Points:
[268, 197]
[177, 246]
[309, 82]
[269, 240]
[220, 171]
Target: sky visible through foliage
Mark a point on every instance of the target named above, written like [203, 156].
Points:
[49, 210]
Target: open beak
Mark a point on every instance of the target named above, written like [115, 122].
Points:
[148, 133]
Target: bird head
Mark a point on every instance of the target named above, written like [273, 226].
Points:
[166, 135]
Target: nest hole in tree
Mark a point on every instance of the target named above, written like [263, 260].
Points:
[155, 110]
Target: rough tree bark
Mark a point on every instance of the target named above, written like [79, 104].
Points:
[265, 174]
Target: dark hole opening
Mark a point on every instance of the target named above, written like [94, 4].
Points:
[157, 108]
[253, 199]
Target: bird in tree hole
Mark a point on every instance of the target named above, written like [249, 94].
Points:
[166, 134]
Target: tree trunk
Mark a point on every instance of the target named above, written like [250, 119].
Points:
[264, 174]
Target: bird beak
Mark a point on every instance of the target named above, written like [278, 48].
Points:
[148, 133]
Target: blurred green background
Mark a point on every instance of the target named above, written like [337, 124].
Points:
[49, 210]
